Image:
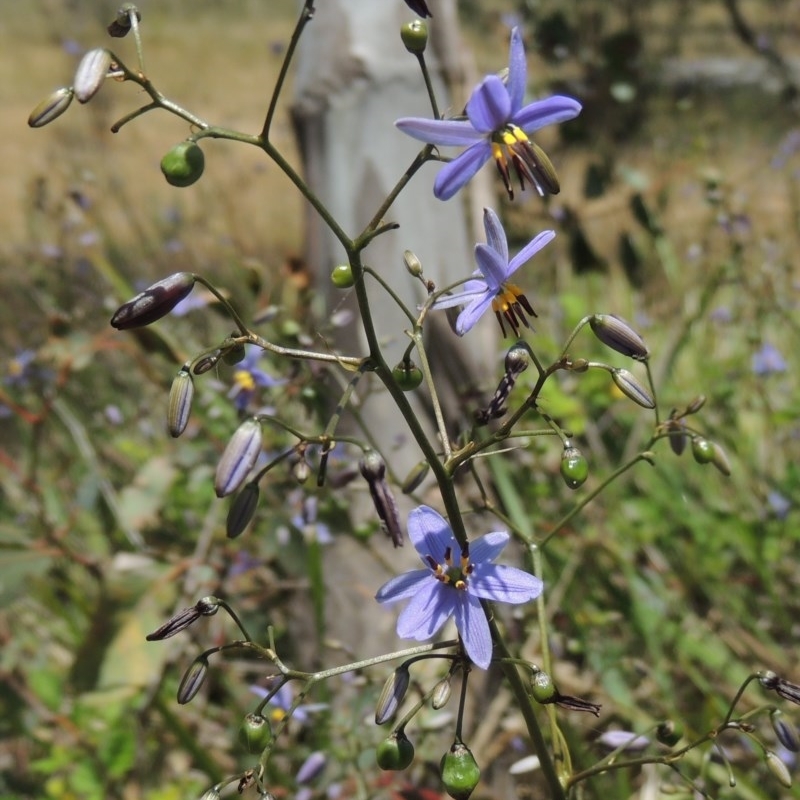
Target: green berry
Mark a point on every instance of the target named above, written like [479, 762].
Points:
[574, 467]
[255, 733]
[407, 375]
[395, 752]
[342, 276]
[415, 36]
[183, 164]
[702, 450]
[460, 771]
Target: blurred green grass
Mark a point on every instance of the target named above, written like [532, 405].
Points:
[663, 594]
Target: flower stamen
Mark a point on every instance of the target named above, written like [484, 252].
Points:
[530, 162]
[455, 576]
[510, 303]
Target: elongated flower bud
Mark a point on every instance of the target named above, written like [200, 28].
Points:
[52, 107]
[632, 388]
[91, 73]
[677, 435]
[441, 693]
[785, 731]
[242, 510]
[616, 333]
[413, 264]
[419, 7]
[205, 607]
[416, 475]
[373, 468]
[192, 681]
[720, 459]
[778, 769]
[238, 458]
[180, 402]
[392, 694]
[154, 302]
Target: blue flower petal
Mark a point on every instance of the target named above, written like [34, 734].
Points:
[402, 586]
[517, 71]
[441, 132]
[472, 289]
[429, 533]
[505, 584]
[488, 547]
[494, 267]
[489, 105]
[495, 235]
[427, 611]
[546, 112]
[473, 312]
[530, 249]
[454, 175]
[474, 629]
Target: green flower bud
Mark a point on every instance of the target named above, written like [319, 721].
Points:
[181, 394]
[543, 690]
[392, 694]
[415, 36]
[616, 333]
[779, 770]
[183, 165]
[395, 752]
[702, 450]
[242, 510]
[255, 733]
[154, 302]
[52, 107]
[415, 477]
[342, 276]
[669, 733]
[192, 681]
[720, 460]
[238, 458]
[460, 771]
[574, 467]
[91, 73]
[413, 264]
[632, 388]
[407, 375]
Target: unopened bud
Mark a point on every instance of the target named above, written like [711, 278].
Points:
[543, 171]
[415, 36]
[238, 458]
[696, 404]
[616, 333]
[52, 107]
[677, 435]
[242, 510]
[392, 694]
[632, 388]
[785, 731]
[301, 471]
[91, 73]
[460, 771]
[373, 468]
[419, 7]
[205, 607]
[192, 681]
[180, 402]
[720, 460]
[413, 264]
[312, 767]
[154, 302]
[206, 363]
[415, 477]
[779, 770]
[517, 359]
[441, 693]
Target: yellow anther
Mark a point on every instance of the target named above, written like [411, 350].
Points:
[245, 380]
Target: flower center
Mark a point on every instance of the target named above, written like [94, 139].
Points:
[244, 380]
[511, 146]
[454, 574]
[509, 304]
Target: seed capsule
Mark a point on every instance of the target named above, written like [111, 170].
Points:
[616, 333]
[154, 302]
[255, 733]
[52, 107]
[180, 402]
[460, 771]
[238, 458]
[183, 164]
[702, 450]
[91, 73]
[543, 690]
[395, 752]
[407, 375]
[242, 510]
[632, 388]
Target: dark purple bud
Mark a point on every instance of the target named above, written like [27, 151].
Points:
[392, 694]
[206, 363]
[785, 689]
[205, 607]
[785, 731]
[180, 402]
[238, 458]
[154, 302]
[122, 23]
[373, 468]
[192, 681]
[419, 7]
[677, 435]
[242, 510]
[616, 333]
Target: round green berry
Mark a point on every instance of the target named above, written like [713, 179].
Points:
[395, 752]
[183, 164]
[407, 375]
[342, 276]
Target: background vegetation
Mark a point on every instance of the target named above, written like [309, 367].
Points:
[680, 211]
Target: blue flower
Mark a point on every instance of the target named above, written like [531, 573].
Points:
[449, 587]
[489, 285]
[281, 703]
[768, 360]
[497, 126]
[248, 377]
